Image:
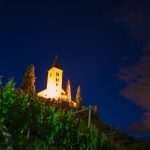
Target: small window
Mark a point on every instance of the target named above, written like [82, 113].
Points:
[57, 74]
[56, 84]
[57, 80]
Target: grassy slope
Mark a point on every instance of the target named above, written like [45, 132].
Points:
[116, 136]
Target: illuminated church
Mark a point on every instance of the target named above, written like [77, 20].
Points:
[54, 83]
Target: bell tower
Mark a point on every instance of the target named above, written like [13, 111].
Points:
[54, 80]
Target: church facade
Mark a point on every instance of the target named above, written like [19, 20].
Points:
[54, 83]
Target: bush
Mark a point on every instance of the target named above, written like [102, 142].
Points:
[34, 123]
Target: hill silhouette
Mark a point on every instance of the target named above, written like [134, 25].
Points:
[32, 122]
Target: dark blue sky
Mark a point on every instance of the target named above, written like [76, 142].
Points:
[91, 45]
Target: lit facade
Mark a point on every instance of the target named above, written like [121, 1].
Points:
[54, 82]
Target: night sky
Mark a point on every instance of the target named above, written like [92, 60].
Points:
[103, 46]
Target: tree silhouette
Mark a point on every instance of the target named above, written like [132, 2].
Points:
[28, 82]
[96, 112]
[68, 92]
[78, 98]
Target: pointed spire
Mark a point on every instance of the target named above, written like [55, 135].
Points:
[56, 63]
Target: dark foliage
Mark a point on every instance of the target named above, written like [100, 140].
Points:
[28, 82]
[35, 123]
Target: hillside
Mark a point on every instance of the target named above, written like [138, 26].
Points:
[116, 136]
[32, 122]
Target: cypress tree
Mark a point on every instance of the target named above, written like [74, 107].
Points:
[68, 92]
[28, 82]
[78, 98]
[96, 111]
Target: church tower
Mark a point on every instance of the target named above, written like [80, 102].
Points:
[54, 82]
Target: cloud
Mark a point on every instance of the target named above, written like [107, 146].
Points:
[142, 126]
[137, 76]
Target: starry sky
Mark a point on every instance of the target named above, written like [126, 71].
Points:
[103, 46]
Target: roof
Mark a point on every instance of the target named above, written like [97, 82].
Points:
[56, 63]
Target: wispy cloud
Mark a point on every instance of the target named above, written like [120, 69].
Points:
[137, 77]
[143, 126]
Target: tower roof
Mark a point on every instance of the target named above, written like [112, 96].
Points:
[56, 63]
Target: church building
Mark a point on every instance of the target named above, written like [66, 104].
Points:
[54, 83]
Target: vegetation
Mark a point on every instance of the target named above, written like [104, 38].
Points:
[29, 122]
[68, 93]
[78, 98]
[28, 83]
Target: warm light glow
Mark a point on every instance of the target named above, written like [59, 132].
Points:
[54, 84]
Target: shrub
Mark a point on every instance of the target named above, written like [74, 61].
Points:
[33, 122]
